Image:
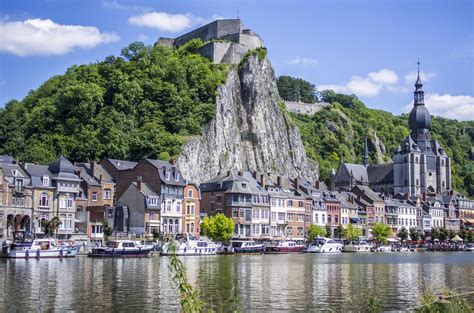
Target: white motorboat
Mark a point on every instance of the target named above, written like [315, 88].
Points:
[325, 245]
[121, 248]
[357, 246]
[189, 245]
[247, 246]
[385, 248]
[38, 248]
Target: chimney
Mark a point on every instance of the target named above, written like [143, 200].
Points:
[279, 181]
[351, 198]
[262, 180]
[93, 168]
[100, 178]
[228, 173]
[316, 184]
[254, 174]
[139, 183]
[173, 161]
[241, 173]
[297, 183]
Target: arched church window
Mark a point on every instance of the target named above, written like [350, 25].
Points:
[444, 185]
[417, 182]
[416, 160]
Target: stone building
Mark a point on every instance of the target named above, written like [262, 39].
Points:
[15, 199]
[225, 41]
[191, 208]
[420, 164]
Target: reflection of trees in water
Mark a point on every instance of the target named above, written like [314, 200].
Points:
[217, 284]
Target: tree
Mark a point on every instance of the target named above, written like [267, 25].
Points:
[353, 233]
[435, 233]
[296, 89]
[328, 231]
[106, 229]
[443, 234]
[219, 228]
[315, 231]
[156, 234]
[414, 235]
[341, 231]
[381, 232]
[49, 227]
[403, 234]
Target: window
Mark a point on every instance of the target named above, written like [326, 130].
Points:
[235, 212]
[323, 218]
[335, 218]
[274, 216]
[190, 193]
[281, 216]
[152, 200]
[329, 218]
[416, 160]
[178, 206]
[300, 204]
[247, 215]
[69, 201]
[219, 199]
[45, 181]
[94, 196]
[316, 218]
[44, 200]
[152, 215]
[417, 182]
[107, 194]
[290, 203]
[176, 176]
[167, 175]
[290, 217]
[168, 205]
[192, 227]
[19, 184]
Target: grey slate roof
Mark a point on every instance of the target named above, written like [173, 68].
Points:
[163, 166]
[106, 177]
[146, 189]
[122, 164]
[9, 168]
[62, 168]
[37, 172]
[6, 159]
[233, 183]
[380, 173]
[359, 172]
[88, 179]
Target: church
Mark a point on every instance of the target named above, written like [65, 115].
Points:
[420, 165]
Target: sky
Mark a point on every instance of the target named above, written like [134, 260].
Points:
[366, 48]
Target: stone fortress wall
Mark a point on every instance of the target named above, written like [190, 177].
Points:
[225, 41]
[304, 108]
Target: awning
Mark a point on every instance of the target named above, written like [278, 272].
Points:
[354, 220]
[468, 220]
[456, 238]
[78, 221]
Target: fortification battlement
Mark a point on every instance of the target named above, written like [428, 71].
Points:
[304, 108]
[226, 40]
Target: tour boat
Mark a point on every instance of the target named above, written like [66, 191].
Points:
[121, 248]
[247, 246]
[284, 247]
[189, 245]
[38, 248]
[324, 245]
[357, 246]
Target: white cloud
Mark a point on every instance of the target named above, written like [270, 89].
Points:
[449, 106]
[45, 37]
[303, 61]
[115, 5]
[166, 22]
[410, 78]
[384, 76]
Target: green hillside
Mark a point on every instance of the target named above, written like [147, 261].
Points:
[338, 131]
[142, 103]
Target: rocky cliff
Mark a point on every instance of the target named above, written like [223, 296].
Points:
[249, 132]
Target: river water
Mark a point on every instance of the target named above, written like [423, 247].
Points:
[306, 282]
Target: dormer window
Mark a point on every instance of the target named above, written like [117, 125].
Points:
[176, 177]
[45, 181]
[167, 175]
[153, 200]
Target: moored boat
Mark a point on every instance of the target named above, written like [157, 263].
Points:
[189, 245]
[121, 248]
[285, 247]
[324, 245]
[38, 248]
[247, 246]
[384, 248]
[357, 246]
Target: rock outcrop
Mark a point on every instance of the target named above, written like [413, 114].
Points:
[249, 132]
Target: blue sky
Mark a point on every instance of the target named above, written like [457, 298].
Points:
[369, 48]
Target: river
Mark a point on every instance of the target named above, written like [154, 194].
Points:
[307, 282]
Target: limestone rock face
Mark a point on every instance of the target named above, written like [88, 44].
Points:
[249, 132]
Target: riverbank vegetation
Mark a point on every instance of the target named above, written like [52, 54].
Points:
[219, 227]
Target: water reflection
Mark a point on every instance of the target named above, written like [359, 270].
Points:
[257, 283]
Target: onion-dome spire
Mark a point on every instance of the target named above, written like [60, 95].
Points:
[419, 117]
[419, 93]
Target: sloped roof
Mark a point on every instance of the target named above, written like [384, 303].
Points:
[358, 171]
[380, 173]
[8, 170]
[146, 189]
[88, 179]
[6, 159]
[106, 177]
[408, 145]
[122, 164]
[163, 166]
[37, 172]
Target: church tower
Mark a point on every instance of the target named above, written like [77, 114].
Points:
[420, 163]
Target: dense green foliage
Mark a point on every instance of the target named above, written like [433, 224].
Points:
[403, 234]
[353, 233]
[337, 131]
[145, 102]
[296, 89]
[315, 231]
[381, 232]
[219, 227]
